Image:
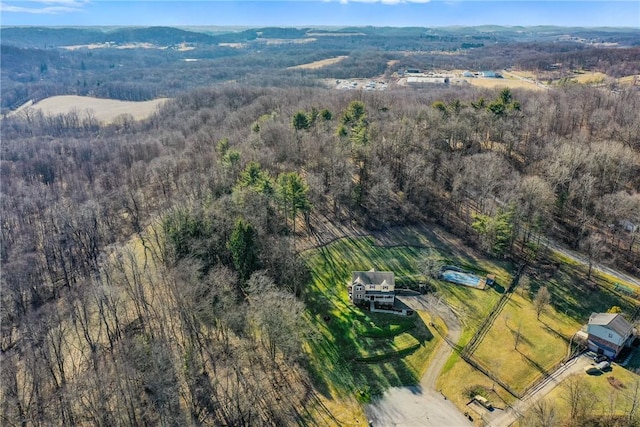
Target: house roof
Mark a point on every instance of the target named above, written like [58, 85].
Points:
[614, 321]
[373, 278]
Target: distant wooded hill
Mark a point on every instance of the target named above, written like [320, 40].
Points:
[157, 64]
[44, 37]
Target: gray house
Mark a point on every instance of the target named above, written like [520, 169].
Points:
[372, 286]
[609, 333]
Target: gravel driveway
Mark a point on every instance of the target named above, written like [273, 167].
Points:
[421, 405]
[424, 406]
[573, 366]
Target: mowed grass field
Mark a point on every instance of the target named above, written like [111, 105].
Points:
[319, 64]
[589, 77]
[542, 345]
[104, 110]
[511, 83]
[629, 80]
[360, 354]
[544, 342]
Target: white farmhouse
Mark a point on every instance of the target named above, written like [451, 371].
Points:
[609, 333]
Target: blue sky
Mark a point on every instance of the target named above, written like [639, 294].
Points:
[400, 13]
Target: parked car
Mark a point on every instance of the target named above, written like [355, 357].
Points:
[484, 402]
[591, 369]
[600, 358]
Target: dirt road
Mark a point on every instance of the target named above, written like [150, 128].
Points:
[583, 259]
[422, 405]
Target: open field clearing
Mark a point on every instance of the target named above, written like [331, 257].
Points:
[104, 110]
[233, 45]
[511, 83]
[111, 45]
[520, 74]
[286, 41]
[347, 335]
[630, 80]
[361, 353]
[587, 78]
[319, 64]
[333, 34]
[542, 344]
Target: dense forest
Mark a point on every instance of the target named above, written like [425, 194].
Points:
[149, 269]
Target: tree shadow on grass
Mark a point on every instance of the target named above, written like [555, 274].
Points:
[533, 363]
[498, 288]
[336, 352]
[570, 296]
[331, 362]
[552, 331]
[521, 339]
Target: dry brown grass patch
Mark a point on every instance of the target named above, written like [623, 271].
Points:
[103, 110]
[501, 83]
[319, 64]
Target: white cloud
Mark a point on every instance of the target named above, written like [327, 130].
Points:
[47, 7]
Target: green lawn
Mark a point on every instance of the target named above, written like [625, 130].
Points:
[542, 345]
[358, 351]
[379, 349]
[573, 296]
[360, 354]
[543, 342]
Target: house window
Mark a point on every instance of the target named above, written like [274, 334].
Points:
[385, 287]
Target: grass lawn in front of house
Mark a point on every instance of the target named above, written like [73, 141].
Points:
[350, 332]
[396, 347]
[542, 344]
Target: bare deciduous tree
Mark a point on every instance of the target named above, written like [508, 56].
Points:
[593, 247]
[542, 299]
[578, 396]
[541, 414]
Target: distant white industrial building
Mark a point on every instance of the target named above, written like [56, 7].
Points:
[490, 74]
[421, 81]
